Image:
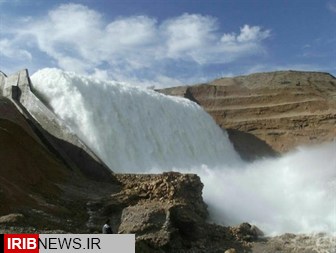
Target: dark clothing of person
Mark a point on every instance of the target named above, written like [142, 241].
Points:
[107, 229]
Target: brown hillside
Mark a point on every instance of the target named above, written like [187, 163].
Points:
[278, 110]
[28, 171]
[36, 183]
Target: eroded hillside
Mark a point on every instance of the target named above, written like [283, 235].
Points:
[269, 113]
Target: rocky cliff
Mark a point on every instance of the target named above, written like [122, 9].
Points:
[269, 113]
[167, 214]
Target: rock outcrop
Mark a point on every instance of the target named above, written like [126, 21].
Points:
[167, 214]
[289, 243]
[269, 113]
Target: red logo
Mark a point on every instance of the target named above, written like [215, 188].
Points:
[21, 243]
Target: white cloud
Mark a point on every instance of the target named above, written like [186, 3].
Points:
[247, 34]
[187, 35]
[8, 49]
[229, 38]
[134, 48]
[252, 34]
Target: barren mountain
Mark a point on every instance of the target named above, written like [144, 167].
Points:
[269, 113]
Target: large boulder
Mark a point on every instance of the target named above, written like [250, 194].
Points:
[166, 212]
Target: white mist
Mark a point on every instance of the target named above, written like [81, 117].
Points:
[295, 193]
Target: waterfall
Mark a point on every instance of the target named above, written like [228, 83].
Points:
[139, 130]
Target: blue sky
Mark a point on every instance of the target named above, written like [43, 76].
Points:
[168, 42]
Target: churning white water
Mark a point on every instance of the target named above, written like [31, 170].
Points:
[295, 193]
[138, 130]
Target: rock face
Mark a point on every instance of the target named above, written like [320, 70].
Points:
[289, 243]
[269, 113]
[23, 161]
[167, 214]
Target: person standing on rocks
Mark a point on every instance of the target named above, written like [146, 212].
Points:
[107, 228]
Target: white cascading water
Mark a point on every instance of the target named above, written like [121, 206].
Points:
[139, 130]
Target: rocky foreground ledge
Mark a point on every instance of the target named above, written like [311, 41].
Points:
[165, 211]
[167, 214]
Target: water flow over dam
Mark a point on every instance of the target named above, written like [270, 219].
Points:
[138, 130]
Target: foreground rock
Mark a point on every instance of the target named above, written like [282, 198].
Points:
[167, 214]
[269, 113]
[289, 243]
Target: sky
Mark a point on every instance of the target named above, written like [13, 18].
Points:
[166, 43]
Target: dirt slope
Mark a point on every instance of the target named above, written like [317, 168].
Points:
[36, 183]
[28, 171]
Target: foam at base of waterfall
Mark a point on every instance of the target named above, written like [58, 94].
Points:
[292, 194]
